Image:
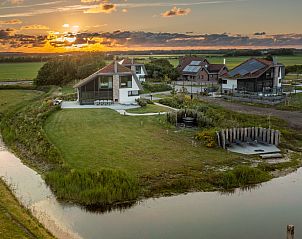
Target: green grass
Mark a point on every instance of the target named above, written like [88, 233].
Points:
[149, 109]
[11, 98]
[19, 71]
[16, 221]
[163, 160]
[294, 103]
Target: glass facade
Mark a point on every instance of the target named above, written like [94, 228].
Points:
[105, 82]
[126, 81]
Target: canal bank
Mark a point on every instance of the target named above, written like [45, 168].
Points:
[261, 212]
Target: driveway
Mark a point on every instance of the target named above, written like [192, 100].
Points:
[294, 118]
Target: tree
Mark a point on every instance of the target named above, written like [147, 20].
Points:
[68, 69]
[161, 69]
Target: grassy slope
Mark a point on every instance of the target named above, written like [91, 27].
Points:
[18, 223]
[96, 139]
[10, 98]
[19, 71]
[15, 221]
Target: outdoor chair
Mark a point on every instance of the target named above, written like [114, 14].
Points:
[251, 142]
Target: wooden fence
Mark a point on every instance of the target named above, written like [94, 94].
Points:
[229, 136]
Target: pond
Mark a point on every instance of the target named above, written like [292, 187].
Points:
[262, 212]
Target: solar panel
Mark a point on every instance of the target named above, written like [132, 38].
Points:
[248, 67]
[192, 69]
[195, 63]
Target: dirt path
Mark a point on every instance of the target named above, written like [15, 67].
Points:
[294, 118]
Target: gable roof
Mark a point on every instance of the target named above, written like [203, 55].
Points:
[215, 68]
[187, 60]
[251, 68]
[112, 69]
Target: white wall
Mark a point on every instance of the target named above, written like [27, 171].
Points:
[123, 94]
[231, 84]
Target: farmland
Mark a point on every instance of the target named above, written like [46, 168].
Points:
[231, 62]
[19, 71]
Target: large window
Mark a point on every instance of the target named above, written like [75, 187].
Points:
[133, 93]
[126, 81]
[105, 82]
[138, 70]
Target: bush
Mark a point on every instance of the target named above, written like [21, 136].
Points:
[93, 188]
[239, 177]
[208, 137]
[141, 102]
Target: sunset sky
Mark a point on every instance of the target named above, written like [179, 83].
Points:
[57, 26]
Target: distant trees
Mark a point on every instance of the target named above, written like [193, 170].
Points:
[162, 70]
[67, 69]
[272, 52]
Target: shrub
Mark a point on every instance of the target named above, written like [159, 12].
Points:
[141, 102]
[208, 137]
[93, 188]
[239, 177]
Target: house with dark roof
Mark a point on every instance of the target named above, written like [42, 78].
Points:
[199, 70]
[136, 67]
[255, 75]
[114, 83]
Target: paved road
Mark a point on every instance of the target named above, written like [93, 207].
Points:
[294, 118]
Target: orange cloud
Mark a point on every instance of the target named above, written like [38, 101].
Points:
[11, 22]
[35, 27]
[102, 8]
[176, 12]
[16, 1]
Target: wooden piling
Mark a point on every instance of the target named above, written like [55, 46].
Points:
[290, 231]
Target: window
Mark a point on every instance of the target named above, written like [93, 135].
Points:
[133, 93]
[126, 81]
[224, 82]
[105, 82]
[138, 70]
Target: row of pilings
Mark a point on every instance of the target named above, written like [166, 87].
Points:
[234, 135]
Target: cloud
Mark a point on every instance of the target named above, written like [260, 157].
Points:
[130, 40]
[35, 27]
[11, 22]
[176, 12]
[102, 8]
[16, 1]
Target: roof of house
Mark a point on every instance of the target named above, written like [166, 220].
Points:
[112, 69]
[188, 60]
[251, 68]
[215, 68]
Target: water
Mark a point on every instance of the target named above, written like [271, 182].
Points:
[263, 212]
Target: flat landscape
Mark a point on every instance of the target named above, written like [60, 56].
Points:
[19, 71]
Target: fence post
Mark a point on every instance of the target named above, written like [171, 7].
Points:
[290, 231]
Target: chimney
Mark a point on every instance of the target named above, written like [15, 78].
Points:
[115, 66]
[224, 61]
[132, 61]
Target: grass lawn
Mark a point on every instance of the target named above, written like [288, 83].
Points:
[142, 146]
[19, 71]
[15, 221]
[10, 98]
[294, 103]
[148, 109]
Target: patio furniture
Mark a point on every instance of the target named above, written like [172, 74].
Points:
[251, 142]
[239, 143]
[260, 141]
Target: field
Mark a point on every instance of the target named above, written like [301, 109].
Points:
[10, 98]
[19, 71]
[15, 221]
[231, 62]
